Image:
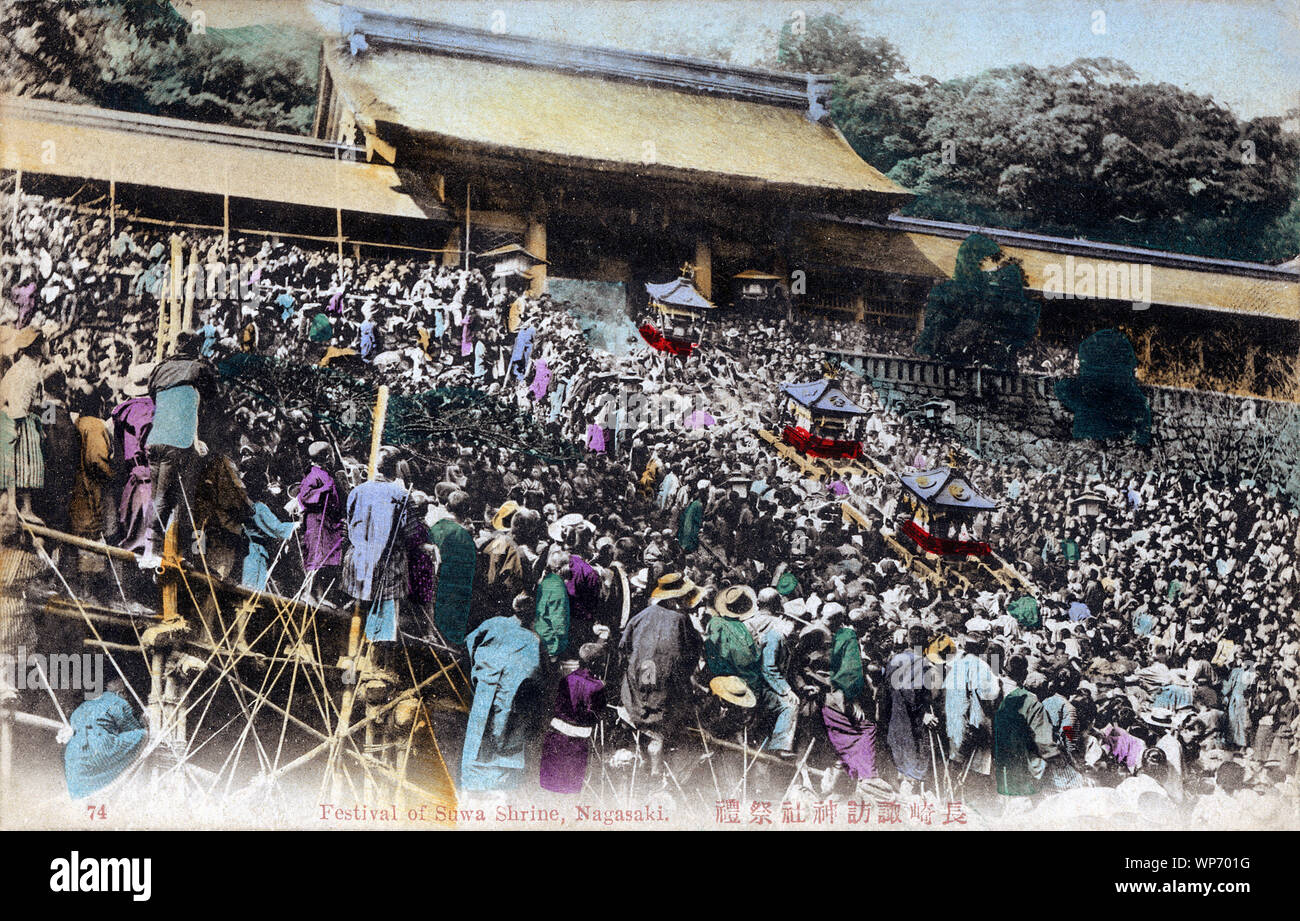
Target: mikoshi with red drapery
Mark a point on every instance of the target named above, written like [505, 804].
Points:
[819, 419]
[948, 512]
[679, 311]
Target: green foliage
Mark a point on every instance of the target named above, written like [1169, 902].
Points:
[142, 56]
[829, 45]
[1105, 397]
[1083, 149]
[979, 317]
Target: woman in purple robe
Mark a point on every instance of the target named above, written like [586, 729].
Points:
[132, 421]
[541, 380]
[584, 588]
[578, 704]
[322, 508]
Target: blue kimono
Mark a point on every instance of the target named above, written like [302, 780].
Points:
[1234, 697]
[909, 678]
[506, 671]
[480, 359]
[368, 341]
[285, 303]
[263, 531]
[522, 353]
[106, 737]
[375, 566]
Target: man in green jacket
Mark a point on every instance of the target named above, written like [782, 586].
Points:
[1022, 736]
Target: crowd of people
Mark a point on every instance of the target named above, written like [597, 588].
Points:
[612, 567]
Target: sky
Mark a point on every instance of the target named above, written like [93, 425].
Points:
[1244, 53]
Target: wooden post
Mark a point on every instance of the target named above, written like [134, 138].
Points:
[161, 350]
[191, 282]
[466, 247]
[338, 226]
[535, 243]
[170, 579]
[704, 268]
[112, 208]
[451, 250]
[377, 429]
[225, 227]
[18, 201]
[176, 282]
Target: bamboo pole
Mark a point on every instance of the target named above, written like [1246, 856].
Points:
[191, 283]
[18, 202]
[467, 187]
[176, 282]
[112, 208]
[377, 429]
[338, 225]
[162, 322]
[225, 227]
[289, 604]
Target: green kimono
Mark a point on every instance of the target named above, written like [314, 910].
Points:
[688, 526]
[1070, 549]
[1024, 610]
[552, 623]
[320, 329]
[846, 663]
[451, 601]
[1022, 741]
[730, 649]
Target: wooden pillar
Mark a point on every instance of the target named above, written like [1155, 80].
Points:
[18, 201]
[451, 249]
[225, 227]
[338, 226]
[176, 284]
[112, 208]
[704, 268]
[535, 243]
[192, 277]
[466, 247]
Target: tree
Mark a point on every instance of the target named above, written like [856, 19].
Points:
[1085, 149]
[143, 56]
[1105, 397]
[979, 317]
[829, 45]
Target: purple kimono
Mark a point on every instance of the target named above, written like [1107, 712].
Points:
[421, 578]
[322, 506]
[579, 702]
[854, 742]
[541, 380]
[132, 421]
[584, 588]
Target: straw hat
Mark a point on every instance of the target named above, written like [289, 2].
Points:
[736, 601]
[572, 520]
[137, 380]
[503, 514]
[733, 690]
[13, 341]
[676, 585]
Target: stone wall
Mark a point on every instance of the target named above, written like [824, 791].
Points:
[1011, 413]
